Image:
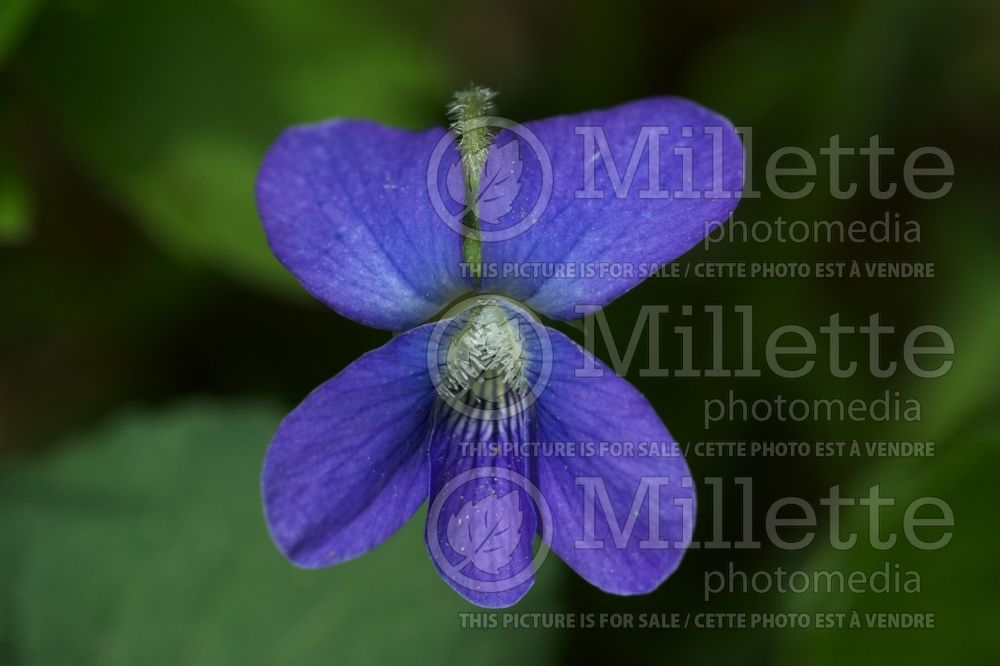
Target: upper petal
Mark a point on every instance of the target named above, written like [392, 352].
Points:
[348, 466]
[657, 207]
[618, 465]
[346, 209]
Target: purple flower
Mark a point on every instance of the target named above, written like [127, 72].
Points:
[509, 428]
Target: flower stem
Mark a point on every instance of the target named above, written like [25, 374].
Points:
[468, 111]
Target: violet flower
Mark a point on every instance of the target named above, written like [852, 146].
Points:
[365, 217]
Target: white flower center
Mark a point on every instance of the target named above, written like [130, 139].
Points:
[486, 358]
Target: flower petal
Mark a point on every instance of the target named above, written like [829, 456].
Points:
[578, 411]
[348, 466]
[346, 209]
[482, 519]
[634, 228]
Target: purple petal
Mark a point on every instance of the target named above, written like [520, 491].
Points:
[579, 410]
[346, 209]
[629, 229]
[348, 466]
[482, 518]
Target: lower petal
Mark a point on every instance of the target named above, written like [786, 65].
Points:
[482, 518]
[621, 519]
[348, 466]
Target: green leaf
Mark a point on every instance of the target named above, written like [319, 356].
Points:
[144, 543]
[172, 103]
[14, 17]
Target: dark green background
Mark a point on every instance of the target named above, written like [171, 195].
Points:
[149, 342]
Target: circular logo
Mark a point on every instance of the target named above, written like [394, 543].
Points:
[500, 184]
[489, 358]
[498, 531]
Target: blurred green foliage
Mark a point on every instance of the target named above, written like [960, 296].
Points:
[15, 209]
[134, 273]
[173, 103]
[142, 543]
[952, 578]
[14, 16]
